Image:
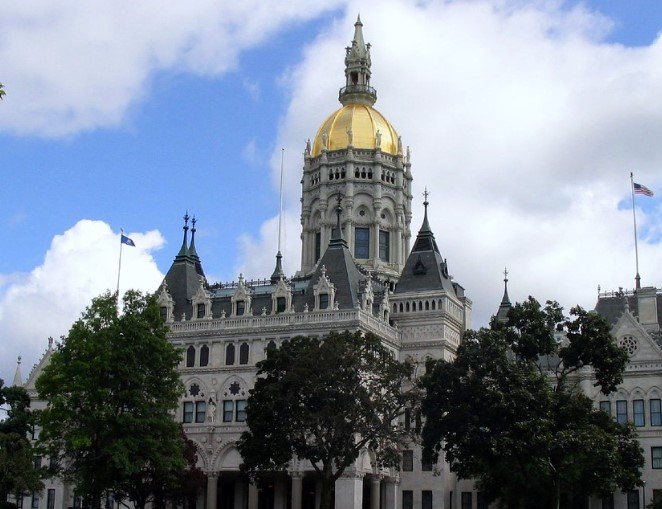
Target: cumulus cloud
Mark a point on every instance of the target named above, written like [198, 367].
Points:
[524, 125]
[80, 264]
[72, 66]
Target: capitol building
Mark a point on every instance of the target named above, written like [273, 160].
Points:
[362, 269]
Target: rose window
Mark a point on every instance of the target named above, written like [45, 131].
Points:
[629, 344]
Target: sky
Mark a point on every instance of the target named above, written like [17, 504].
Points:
[524, 118]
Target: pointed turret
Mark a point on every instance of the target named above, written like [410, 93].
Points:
[18, 380]
[425, 268]
[183, 277]
[357, 88]
[505, 306]
[278, 271]
[193, 253]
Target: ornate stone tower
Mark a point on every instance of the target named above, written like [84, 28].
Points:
[358, 154]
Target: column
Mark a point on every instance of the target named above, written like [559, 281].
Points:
[280, 494]
[318, 494]
[374, 492]
[239, 495]
[297, 490]
[212, 490]
[252, 496]
[349, 492]
[391, 494]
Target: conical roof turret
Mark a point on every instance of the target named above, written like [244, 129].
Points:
[357, 89]
[505, 306]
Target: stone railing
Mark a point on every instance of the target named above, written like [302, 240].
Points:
[336, 319]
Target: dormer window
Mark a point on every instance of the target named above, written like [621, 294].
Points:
[163, 311]
[324, 300]
[241, 307]
[281, 303]
[200, 310]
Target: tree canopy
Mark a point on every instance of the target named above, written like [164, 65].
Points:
[509, 413]
[18, 472]
[325, 401]
[111, 387]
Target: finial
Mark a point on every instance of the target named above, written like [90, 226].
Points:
[50, 342]
[193, 221]
[505, 275]
[184, 250]
[18, 361]
[186, 218]
[358, 19]
[425, 197]
[18, 382]
[599, 290]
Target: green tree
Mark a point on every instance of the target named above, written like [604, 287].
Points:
[111, 388]
[325, 401]
[2, 91]
[508, 411]
[18, 472]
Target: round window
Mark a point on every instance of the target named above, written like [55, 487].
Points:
[629, 343]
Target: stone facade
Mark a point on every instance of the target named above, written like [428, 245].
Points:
[358, 273]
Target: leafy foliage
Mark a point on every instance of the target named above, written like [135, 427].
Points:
[111, 387]
[18, 472]
[326, 401]
[508, 412]
[2, 91]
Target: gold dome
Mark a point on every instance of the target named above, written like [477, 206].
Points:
[364, 122]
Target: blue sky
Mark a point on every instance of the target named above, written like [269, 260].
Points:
[511, 107]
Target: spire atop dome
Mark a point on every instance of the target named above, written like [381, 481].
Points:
[357, 89]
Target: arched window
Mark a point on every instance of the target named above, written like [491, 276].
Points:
[407, 307]
[420, 305]
[434, 305]
[243, 353]
[401, 307]
[229, 355]
[271, 345]
[427, 305]
[204, 355]
[190, 356]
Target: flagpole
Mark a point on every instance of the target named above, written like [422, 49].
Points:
[637, 278]
[119, 269]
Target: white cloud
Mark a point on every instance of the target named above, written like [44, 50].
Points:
[80, 264]
[71, 66]
[524, 124]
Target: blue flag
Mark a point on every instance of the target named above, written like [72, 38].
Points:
[126, 240]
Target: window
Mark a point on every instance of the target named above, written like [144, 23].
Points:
[204, 355]
[53, 463]
[228, 410]
[656, 412]
[241, 307]
[605, 406]
[608, 502]
[408, 460]
[200, 310]
[621, 411]
[163, 311]
[481, 501]
[78, 501]
[362, 243]
[466, 500]
[109, 502]
[200, 411]
[188, 411]
[426, 499]
[190, 356]
[243, 353]
[229, 355]
[318, 245]
[384, 246]
[281, 302]
[638, 412]
[35, 500]
[241, 410]
[37, 462]
[633, 499]
[271, 345]
[324, 300]
[407, 499]
[656, 457]
[426, 463]
[407, 418]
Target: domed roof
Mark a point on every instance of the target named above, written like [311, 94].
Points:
[364, 121]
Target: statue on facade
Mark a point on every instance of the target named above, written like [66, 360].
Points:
[350, 137]
[378, 139]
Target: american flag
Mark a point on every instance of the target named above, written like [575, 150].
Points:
[641, 189]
